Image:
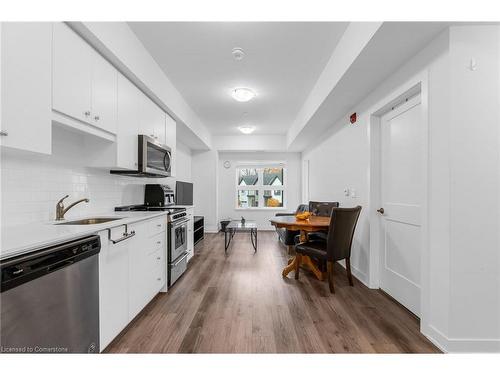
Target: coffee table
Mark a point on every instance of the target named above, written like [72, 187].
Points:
[237, 226]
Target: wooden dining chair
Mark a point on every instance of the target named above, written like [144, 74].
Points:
[337, 246]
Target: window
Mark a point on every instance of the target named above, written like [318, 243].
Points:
[260, 186]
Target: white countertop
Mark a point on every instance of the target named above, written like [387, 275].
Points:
[21, 239]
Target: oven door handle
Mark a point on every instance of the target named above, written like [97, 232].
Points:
[178, 223]
[181, 258]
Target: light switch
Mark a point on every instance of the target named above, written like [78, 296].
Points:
[353, 193]
[346, 192]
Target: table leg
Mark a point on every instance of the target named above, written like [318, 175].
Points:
[306, 261]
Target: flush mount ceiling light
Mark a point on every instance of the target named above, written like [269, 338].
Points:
[247, 129]
[243, 94]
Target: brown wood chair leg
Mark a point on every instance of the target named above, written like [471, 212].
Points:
[297, 265]
[329, 267]
[290, 249]
[348, 269]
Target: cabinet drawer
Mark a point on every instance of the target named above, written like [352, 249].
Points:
[157, 242]
[156, 262]
[157, 225]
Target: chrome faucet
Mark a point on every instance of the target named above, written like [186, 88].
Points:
[60, 210]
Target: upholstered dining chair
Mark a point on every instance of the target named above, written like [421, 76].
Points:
[320, 209]
[287, 236]
[337, 246]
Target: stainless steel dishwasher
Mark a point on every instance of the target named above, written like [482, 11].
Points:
[50, 299]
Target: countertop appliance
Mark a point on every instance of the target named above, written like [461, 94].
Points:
[155, 198]
[154, 159]
[158, 195]
[50, 299]
[184, 193]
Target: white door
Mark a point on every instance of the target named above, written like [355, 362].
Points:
[127, 123]
[104, 91]
[26, 84]
[152, 120]
[401, 194]
[72, 74]
[113, 285]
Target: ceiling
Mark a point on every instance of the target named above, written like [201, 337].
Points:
[282, 63]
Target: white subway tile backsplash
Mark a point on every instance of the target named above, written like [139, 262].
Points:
[31, 187]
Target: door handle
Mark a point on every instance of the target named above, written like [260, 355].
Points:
[381, 210]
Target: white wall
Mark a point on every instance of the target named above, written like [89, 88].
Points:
[32, 183]
[475, 186]
[204, 175]
[183, 162]
[227, 192]
[463, 303]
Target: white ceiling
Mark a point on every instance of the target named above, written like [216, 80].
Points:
[282, 63]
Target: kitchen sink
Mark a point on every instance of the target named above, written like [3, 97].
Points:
[90, 221]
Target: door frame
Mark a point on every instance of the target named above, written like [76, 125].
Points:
[416, 86]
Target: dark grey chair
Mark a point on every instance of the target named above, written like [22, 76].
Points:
[337, 246]
[287, 236]
[320, 209]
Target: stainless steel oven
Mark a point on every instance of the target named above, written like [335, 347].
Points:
[154, 159]
[178, 239]
[177, 245]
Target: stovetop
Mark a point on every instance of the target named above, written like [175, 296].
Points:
[143, 207]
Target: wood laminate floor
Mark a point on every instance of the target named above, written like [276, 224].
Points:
[240, 303]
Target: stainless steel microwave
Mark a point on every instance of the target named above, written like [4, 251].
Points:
[154, 159]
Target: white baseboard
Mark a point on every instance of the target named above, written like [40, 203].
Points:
[361, 276]
[460, 345]
[211, 229]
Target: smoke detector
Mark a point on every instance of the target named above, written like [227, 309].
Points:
[238, 53]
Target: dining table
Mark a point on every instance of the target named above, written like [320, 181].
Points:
[304, 226]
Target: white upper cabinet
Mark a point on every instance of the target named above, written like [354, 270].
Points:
[152, 122]
[26, 85]
[104, 92]
[84, 83]
[128, 119]
[72, 74]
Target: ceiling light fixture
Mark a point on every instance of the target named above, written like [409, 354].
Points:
[243, 94]
[247, 129]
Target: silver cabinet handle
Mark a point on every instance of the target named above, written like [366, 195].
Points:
[158, 258]
[159, 279]
[86, 113]
[3, 133]
[158, 242]
[125, 236]
[158, 225]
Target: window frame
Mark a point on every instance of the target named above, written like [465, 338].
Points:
[260, 166]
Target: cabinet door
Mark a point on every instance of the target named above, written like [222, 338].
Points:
[104, 92]
[190, 234]
[72, 74]
[138, 271]
[26, 60]
[171, 140]
[113, 286]
[127, 123]
[152, 120]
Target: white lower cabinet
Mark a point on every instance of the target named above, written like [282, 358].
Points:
[131, 273]
[113, 285]
[190, 235]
